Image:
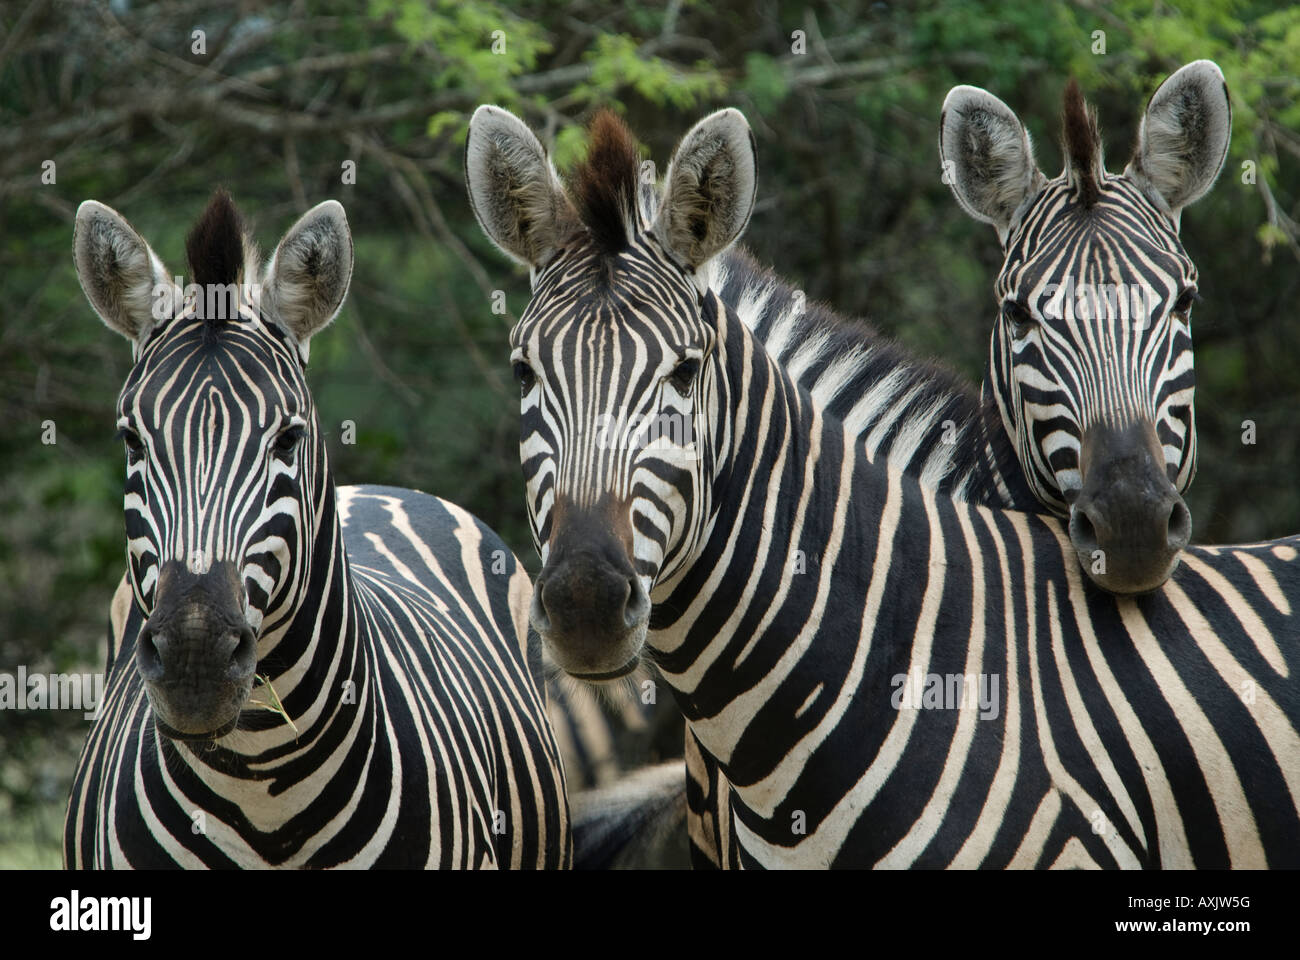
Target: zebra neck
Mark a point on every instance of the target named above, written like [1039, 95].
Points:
[323, 648]
[765, 596]
[997, 479]
[918, 415]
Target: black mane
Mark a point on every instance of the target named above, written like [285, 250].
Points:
[932, 384]
[604, 185]
[1082, 143]
[215, 249]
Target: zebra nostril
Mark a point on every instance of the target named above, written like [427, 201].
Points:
[243, 661]
[1082, 531]
[1180, 526]
[537, 615]
[638, 604]
[148, 656]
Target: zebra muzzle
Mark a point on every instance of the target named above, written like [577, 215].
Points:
[592, 612]
[196, 653]
[1128, 523]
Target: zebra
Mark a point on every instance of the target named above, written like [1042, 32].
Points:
[789, 588]
[299, 676]
[1017, 443]
[1090, 362]
[624, 816]
[919, 414]
[900, 406]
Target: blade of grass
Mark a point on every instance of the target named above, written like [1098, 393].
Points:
[275, 704]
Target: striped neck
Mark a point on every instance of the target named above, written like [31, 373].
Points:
[917, 414]
[998, 479]
[758, 587]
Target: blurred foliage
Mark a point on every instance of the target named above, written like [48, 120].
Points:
[131, 112]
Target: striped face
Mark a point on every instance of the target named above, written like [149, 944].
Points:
[1091, 356]
[1093, 333]
[225, 469]
[224, 464]
[612, 358]
[615, 359]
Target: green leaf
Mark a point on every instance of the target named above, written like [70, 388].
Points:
[443, 119]
[570, 147]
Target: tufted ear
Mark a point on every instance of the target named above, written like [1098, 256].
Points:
[513, 187]
[307, 279]
[122, 277]
[709, 189]
[1184, 137]
[987, 157]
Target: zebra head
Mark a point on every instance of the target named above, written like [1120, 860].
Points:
[225, 468]
[615, 359]
[1091, 357]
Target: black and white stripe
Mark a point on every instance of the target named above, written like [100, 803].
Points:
[920, 415]
[1061, 376]
[793, 581]
[390, 624]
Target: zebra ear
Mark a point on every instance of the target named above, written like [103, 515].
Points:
[709, 189]
[513, 187]
[987, 157]
[1183, 141]
[122, 277]
[308, 276]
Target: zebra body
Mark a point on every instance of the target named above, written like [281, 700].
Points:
[405, 766]
[1173, 716]
[410, 727]
[782, 581]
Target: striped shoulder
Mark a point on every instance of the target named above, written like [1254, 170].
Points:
[404, 537]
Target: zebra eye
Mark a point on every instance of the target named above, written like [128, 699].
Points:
[683, 375]
[1020, 319]
[1184, 303]
[287, 441]
[134, 445]
[524, 374]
